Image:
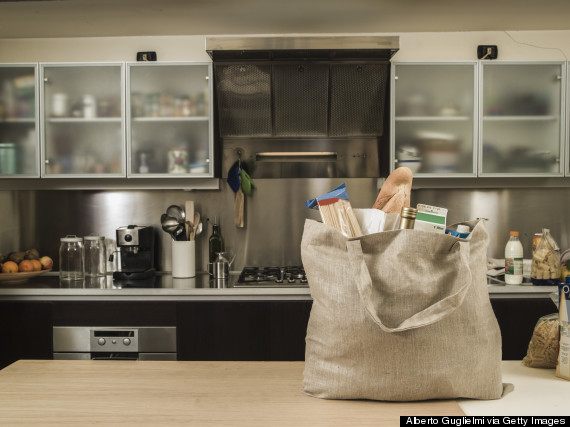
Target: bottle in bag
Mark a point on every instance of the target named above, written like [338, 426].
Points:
[407, 218]
[514, 260]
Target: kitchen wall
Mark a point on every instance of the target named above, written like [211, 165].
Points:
[275, 213]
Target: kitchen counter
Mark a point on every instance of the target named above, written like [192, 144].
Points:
[230, 393]
[164, 287]
[536, 392]
[183, 393]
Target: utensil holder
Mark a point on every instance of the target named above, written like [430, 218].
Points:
[183, 258]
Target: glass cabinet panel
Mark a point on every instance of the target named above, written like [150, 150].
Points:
[169, 132]
[433, 130]
[521, 126]
[83, 129]
[19, 146]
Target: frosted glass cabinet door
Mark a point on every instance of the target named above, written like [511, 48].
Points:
[83, 129]
[170, 130]
[19, 142]
[433, 109]
[521, 126]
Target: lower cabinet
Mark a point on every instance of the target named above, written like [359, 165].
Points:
[25, 331]
[517, 319]
[216, 330]
[249, 330]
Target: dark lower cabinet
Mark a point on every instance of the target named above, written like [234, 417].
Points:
[216, 330]
[517, 319]
[25, 331]
[249, 330]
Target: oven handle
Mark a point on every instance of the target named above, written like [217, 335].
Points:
[131, 356]
[296, 156]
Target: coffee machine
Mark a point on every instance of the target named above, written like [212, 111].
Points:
[135, 246]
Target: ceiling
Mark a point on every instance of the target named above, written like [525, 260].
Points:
[96, 18]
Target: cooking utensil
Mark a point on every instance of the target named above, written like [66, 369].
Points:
[189, 226]
[198, 230]
[189, 209]
[179, 230]
[176, 212]
[169, 224]
[195, 226]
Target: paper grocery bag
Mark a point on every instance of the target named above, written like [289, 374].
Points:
[399, 315]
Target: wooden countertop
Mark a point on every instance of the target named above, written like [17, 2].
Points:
[82, 392]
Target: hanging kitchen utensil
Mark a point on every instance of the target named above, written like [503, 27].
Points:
[239, 208]
[234, 181]
[247, 184]
[234, 176]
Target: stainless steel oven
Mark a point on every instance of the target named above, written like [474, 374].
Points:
[114, 343]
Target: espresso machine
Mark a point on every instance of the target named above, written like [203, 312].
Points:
[135, 246]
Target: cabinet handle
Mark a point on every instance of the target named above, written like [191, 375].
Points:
[46, 80]
[47, 162]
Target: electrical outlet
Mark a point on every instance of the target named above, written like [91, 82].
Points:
[487, 52]
[146, 56]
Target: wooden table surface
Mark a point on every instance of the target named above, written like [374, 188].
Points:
[81, 392]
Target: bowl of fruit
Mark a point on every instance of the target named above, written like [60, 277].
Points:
[18, 267]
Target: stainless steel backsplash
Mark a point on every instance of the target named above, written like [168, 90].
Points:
[274, 215]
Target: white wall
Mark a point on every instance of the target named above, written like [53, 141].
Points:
[449, 46]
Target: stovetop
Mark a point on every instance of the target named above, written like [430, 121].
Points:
[290, 276]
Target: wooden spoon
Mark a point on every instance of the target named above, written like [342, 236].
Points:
[196, 222]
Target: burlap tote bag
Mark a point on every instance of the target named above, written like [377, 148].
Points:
[399, 315]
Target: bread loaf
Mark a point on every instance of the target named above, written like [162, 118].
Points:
[395, 192]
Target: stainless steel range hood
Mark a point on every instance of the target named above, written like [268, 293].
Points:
[303, 106]
[315, 47]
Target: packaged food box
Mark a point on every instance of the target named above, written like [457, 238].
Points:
[431, 218]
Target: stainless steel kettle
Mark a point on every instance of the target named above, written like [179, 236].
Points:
[221, 268]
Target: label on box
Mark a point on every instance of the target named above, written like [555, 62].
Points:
[430, 218]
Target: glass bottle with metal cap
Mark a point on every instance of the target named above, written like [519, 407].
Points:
[408, 217]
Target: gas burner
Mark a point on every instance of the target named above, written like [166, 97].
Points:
[272, 276]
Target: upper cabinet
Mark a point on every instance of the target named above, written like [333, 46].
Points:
[521, 122]
[169, 130]
[83, 132]
[433, 127]
[19, 146]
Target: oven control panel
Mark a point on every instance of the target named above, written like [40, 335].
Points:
[114, 340]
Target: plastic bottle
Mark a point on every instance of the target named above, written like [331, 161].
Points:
[514, 260]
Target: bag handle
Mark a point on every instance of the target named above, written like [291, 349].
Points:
[427, 316]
